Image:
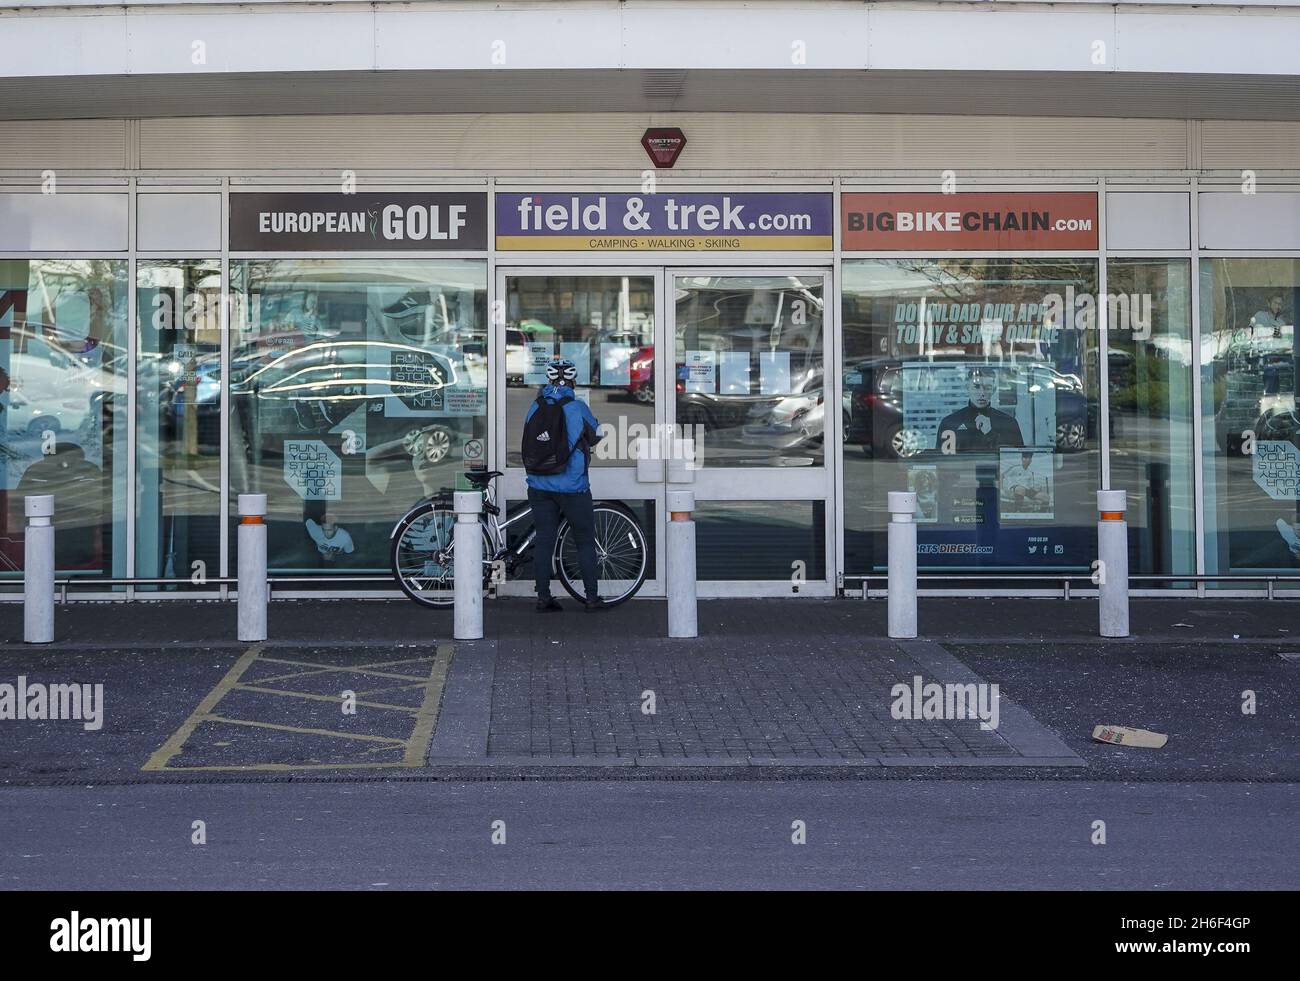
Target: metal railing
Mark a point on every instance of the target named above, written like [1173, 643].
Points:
[1268, 579]
[67, 583]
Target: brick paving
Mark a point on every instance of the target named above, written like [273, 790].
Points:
[762, 699]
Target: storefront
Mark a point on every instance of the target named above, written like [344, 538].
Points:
[1003, 351]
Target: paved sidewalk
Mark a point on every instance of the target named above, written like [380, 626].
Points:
[772, 688]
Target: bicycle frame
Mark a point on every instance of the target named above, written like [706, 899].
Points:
[496, 528]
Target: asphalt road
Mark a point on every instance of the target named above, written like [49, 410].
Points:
[653, 835]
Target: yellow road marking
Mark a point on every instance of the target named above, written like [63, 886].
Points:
[355, 667]
[365, 736]
[324, 698]
[325, 669]
[427, 717]
[163, 755]
[283, 767]
[416, 746]
[377, 691]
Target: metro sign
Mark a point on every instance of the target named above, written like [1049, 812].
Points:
[664, 145]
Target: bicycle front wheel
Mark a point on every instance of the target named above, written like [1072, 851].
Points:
[421, 556]
[622, 556]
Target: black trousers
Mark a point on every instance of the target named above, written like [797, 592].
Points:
[548, 508]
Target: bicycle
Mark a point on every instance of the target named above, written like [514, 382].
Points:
[421, 549]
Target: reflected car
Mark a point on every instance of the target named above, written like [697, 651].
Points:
[56, 386]
[1280, 423]
[789, 421]
[1257, 400]
[310, 390]
[641, 375]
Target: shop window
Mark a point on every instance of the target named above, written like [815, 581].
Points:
[178, 420]
[1251, 432]
[63, 409]
[355, 386]
[972, 382]
[1149, 340]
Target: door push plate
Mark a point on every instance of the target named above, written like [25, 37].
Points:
[649, 464]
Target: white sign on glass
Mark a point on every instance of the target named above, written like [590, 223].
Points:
[774, 372]
[701, 372]
[734, 372]
[579, 352]
[615, 364]
[538, 355]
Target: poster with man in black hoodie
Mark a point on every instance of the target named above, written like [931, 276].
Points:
[978, 426]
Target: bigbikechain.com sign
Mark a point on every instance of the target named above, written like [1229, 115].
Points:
[274, 222]
[997, 221]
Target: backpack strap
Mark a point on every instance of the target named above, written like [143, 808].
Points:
[541, 400]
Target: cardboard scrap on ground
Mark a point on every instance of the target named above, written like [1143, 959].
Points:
[1124, 736]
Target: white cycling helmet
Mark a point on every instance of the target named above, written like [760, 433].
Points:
[561, 371]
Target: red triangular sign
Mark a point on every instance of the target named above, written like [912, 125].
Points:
[664, 145]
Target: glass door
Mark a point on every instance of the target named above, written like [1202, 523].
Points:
[750, 356]
[607, 321]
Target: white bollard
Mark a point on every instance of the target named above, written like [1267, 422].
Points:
[902, 565]
[38, 570]
[467, 552]
[1112, 562]
[682, 618]
[252, 584]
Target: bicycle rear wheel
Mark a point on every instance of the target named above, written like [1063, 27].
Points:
[622, 556]
[421, 556]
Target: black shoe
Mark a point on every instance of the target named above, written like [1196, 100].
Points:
[548, 604]
[595, 605]
[412, 303]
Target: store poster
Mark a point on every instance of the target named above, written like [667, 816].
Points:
[579, 352]
[615, 364]
[923, 481]
[1026, 484]
[986, 470]
[701, 372]
[960, 407]
[734, 371]
[539, 355]
[774, 372]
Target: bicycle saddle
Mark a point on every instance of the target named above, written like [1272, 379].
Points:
[481, 478]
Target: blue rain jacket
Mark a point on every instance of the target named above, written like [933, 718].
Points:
[576, 415]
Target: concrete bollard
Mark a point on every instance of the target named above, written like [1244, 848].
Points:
[682, 617]
[1112, 562]
[467, 552]
[38, 570]
[902, 565]
[252, 584]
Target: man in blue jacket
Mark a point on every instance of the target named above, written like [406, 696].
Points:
[566, 494]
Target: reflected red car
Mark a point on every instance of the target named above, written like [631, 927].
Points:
[641, 375]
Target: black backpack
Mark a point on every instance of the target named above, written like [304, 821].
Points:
[546, 449]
